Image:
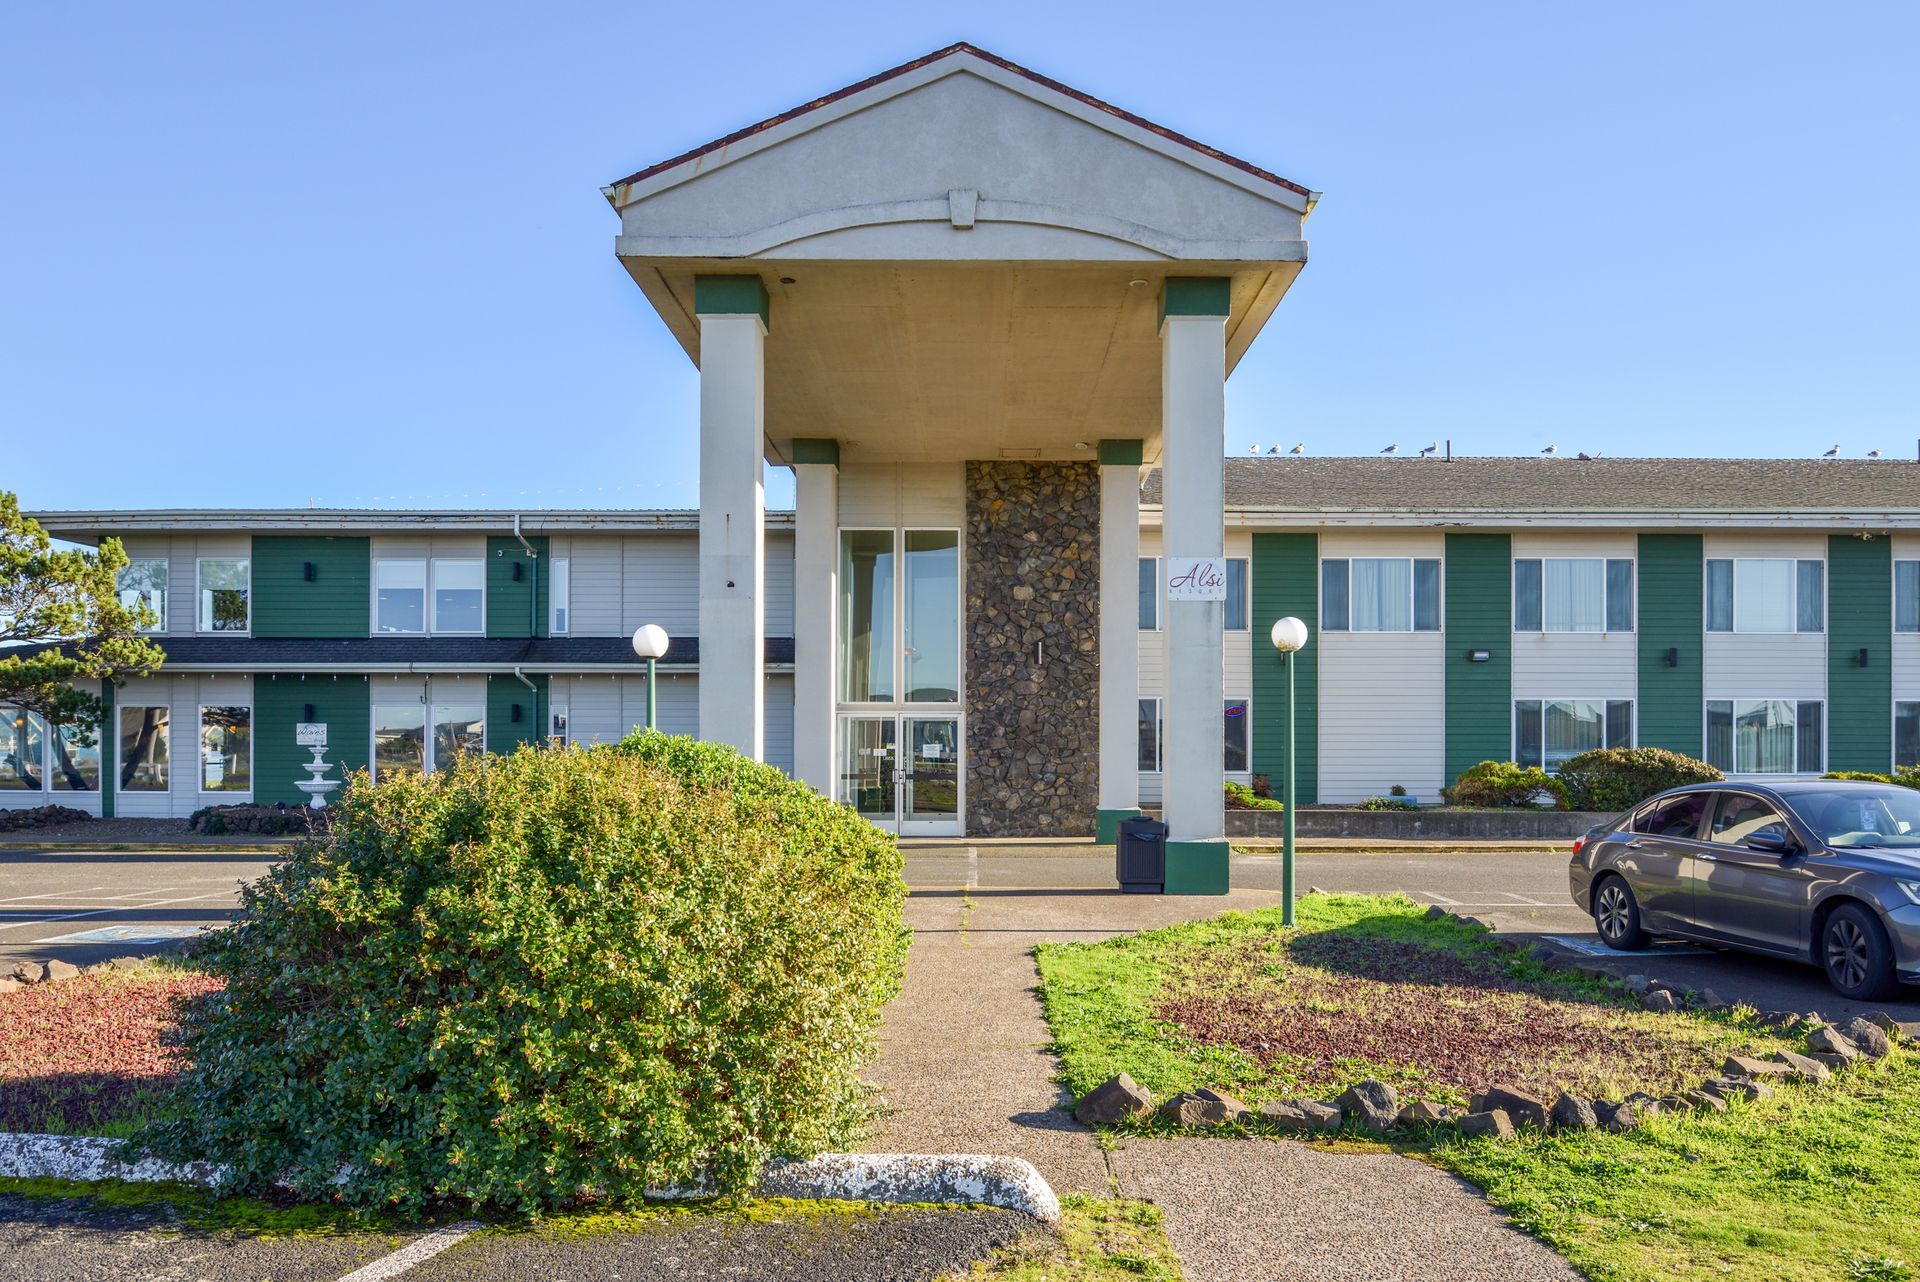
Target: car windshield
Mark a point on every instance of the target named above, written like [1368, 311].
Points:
[1861, 815]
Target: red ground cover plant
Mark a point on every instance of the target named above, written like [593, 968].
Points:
[92, 1054]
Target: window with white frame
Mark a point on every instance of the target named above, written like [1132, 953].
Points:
[226, 748]
[146, 748]
[557, 725]
[74, 760]
[558, 597]
[226, 590]
[459, 595]
[1152, 736]
[1236, 594]
[1906, 596]
[1572, 594]
[1380, 594]
[23, 751]
[1149, 594]
[1766, 594]
[144, 582]
[1546, 732]
[400, 595]
[459, 729]
[1906, 734]
[1766, 736]
[399, 739]
[1237, 601]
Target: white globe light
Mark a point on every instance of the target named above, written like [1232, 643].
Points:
[650, 641]
[1289, 634]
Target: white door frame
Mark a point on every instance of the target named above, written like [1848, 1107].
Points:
[899, 822]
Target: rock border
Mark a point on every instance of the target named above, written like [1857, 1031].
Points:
[28, 974]
[973, 1179]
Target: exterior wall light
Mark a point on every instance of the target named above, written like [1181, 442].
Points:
[1479, 656]
[308, 572]
[1673, 657]
[1861, 658]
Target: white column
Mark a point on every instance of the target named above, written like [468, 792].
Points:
[816, 612]
[732, 531]
[1119, 630]
[1193, 364]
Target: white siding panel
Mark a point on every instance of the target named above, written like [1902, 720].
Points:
[779, 732]
[660, 574]
[593, 710]
[1906, 645]
[903, 494]
[1790, 665]
[594, 587]
[1553, 665]
[382, 547]
[1382, 714]
[779, 606]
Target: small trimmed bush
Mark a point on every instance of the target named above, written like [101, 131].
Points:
[1905, 776]
[558, 974]
[1502, 783]
[1388, 803]
[1613, 779]
[1241, 797]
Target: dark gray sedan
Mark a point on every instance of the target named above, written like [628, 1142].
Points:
[1819, 871]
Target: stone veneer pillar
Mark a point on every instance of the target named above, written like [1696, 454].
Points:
[1032, 633]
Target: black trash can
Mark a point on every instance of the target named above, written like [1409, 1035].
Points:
[1140, 856]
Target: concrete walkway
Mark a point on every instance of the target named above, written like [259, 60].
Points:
[964, 1068]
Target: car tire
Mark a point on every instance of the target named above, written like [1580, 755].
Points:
[1856, 954]
[1616, 915]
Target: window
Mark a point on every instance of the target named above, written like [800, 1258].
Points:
[1906, 596]
[1739, 817]
[557, 598]
[76, 764]
[1236, 594]
[1572, 594]
[900, 616]
[399, 740]
[1678, 817]
[225, 586]
[1548, 731]
[1153, 730]
[930, 607]
[145, 582]
[1753, 594]
[145, 749]
[866, 616]
[23, 751]
[459, 595]
[1766, 736]
[226, 749]
[399, 596]
[1906, 734]
[1380, 594]
[1237, 719]
[1149, 594]
[1150, 735]
[457, 728]
[557, 725]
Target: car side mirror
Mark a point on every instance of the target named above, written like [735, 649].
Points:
[1773, 841]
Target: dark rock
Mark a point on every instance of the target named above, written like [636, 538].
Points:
[1116, 1100]
[1494, 1123]
[1748, 1066]
[1374, 1105]
[1542, 953]
[1658, 999]
[1831, 1041]
[1625, 1117]
[28, 972]
[1868, 1036]
[1708, 998]
[1571, 1113]
[1435, 912]
[1295, 1116]
[1202, 1109]
[1804, 1067]
[1637, 984]
[1706, 1101]
[1425, 1113]
[1834, 1063]
[1885, 1023]
[1523, 1108]
[65, 970]
[126, 963]
[1672, 1103]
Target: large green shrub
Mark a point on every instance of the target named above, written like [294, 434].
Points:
[560, 972]
[1620, 778]
[1502, 783]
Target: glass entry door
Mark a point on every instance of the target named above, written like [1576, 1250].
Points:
[902, 772]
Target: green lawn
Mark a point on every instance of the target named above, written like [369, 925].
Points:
[1098, 1240]
[1817, 1182]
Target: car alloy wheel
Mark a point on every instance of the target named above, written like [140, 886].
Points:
[1848, 953]
[1613, 911]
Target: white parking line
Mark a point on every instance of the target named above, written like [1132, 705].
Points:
[1537, 903]
[53, 894]
[973, 868]
[100, 912]
[1442, 900]
[415, 1252]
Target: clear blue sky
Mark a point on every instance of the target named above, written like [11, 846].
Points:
[357, 253]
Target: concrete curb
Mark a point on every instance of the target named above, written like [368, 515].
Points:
[973, 1179]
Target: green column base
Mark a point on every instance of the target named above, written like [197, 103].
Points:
[1197, 867]
[1106, 825]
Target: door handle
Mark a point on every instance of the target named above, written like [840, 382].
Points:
[1636, 845]
[1709, 859]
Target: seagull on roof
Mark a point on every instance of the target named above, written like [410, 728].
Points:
[1391, 449]
[1832, 453]
[1298, 450]
[1585, 457]
[1274, 450]
[1550, 451]
[1431, 450]
[1253, 449]
[1873, 453]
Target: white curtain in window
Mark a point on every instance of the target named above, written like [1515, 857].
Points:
[1576, 595]
[1764, 596]
[1573, 726]
[1763, 735]
[1382, 594]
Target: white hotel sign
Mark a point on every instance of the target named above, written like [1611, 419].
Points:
[1196, 578]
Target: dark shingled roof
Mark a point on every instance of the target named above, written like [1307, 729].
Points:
[286, 653]
[1531, 485]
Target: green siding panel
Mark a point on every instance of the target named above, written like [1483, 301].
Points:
[504, 694]
[1859, 617]
[816, 450]
[1479, 616]
[336, 602]
[1672, 687]
[732, 296]
[516, 607]
[279, 704]
[1286, 580]
[1122, 452]
[1196, 296]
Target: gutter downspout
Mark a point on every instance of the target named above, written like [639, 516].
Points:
[533, 587]
[539, 735]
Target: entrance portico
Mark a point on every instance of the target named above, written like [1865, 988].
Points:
[967, 305]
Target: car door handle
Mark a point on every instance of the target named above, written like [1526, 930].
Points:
[1636, 845]
[1708, 859]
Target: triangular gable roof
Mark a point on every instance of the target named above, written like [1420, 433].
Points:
[963, 49]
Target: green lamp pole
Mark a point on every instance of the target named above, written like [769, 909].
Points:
[650, 642]
[1289, 638]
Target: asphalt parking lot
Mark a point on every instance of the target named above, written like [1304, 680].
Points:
[84, 906]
